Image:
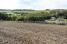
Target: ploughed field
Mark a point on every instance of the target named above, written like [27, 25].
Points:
[12, 32]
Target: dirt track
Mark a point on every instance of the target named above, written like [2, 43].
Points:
[32, 33]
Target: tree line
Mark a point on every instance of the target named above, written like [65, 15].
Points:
[33, 15]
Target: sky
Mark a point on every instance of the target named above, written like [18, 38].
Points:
[33, 4]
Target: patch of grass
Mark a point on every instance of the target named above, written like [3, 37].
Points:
[65, 20]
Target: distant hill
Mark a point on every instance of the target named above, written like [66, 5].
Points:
[16, 10]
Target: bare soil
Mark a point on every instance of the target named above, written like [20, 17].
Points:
[12, 32]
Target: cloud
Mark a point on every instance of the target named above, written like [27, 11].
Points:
[50, 4]
[8, 4]
[33, 4]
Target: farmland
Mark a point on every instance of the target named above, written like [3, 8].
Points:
[14, 32]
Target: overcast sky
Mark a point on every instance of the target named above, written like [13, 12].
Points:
[33, 4]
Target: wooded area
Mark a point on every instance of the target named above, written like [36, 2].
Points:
[32, 15]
